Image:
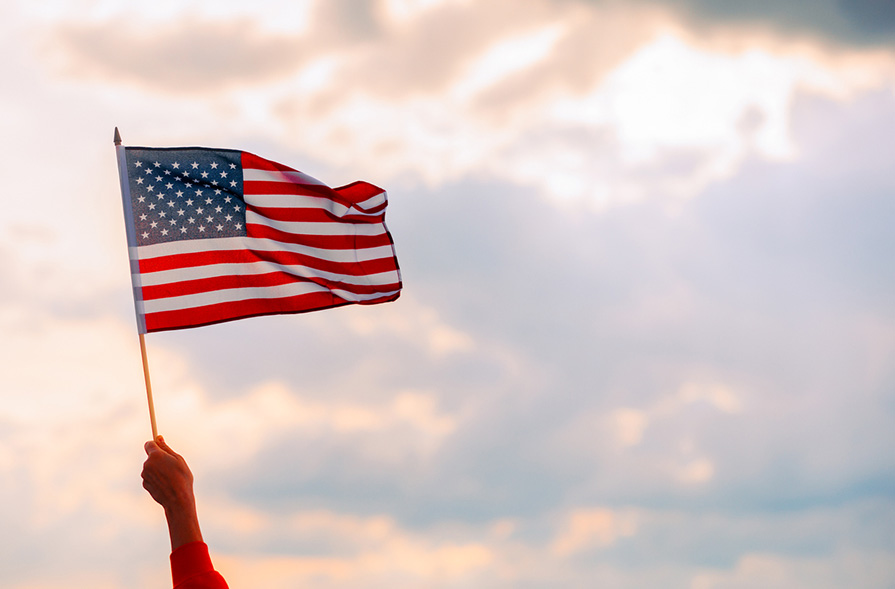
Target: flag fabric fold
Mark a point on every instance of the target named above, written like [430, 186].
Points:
[217, 234]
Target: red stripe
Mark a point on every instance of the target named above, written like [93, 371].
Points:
[315, 215]
[214, 283]
[271, 187]
[177, 261]
[358, 191]
[331, 242]
[220, 312]
[250, 160]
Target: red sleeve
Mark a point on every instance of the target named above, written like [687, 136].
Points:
[191, 568]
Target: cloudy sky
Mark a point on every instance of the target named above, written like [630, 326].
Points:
[648, 326]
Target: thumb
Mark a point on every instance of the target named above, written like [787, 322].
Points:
[151, 447]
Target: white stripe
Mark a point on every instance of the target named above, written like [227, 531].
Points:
[263, 267]
[295, 201]
[294, 177]
[303, 201]
[298, 228]
[371, 202]
[191, 246]
[245, 294]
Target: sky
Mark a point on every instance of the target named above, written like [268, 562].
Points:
[648, 319]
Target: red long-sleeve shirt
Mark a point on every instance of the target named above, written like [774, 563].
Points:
[191, 568]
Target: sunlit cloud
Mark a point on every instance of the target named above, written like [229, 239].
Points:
[593, 528]
[668, 118]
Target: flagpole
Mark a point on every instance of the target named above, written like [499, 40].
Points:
[131, 242]
[148, 387]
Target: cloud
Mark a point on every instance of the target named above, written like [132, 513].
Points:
[841, 569]
[845, 22]
[662, 392]
[600, 103]
[184, 57]
[600, 527]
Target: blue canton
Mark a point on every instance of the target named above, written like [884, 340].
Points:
[179, 194]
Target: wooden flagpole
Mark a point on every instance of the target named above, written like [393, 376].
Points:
[148, 387]
[131, 242]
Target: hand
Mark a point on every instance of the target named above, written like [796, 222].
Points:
[170, 482]
[166, 476]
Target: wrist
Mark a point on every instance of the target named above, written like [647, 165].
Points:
[183, 524]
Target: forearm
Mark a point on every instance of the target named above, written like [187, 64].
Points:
[183, 524]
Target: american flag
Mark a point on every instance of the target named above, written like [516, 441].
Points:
[219, 234]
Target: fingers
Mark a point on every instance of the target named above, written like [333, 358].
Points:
[160, 441]
[163, 445]
[159, 445]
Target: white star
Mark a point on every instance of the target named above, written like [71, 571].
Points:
[169, 186]
[158, 178]
[173, 221]
[183, 229]
[205, 174]
[233, 183]
[217, 209]
[227, 200]
[239, 225]
[214, 182]
[161, 196]
[191, 220]
[202, 228]
[141, 198]
[139, 164]
[218, 191]
[199, 192]
[232, 166]
[150, 188]
[153, 224]
[189, 202]
[143, 217]
[175, 165]
[139, 180]
[180, 212]
[236, 208]
[195, 165]
[179, 193]
[199, 210]
[162, 214]
[220, 227]
[167, 172]
[151, 206]
[208, 201]
[145, 235]
[229, 217]
[148, 171]
[164, 232]
[214, 165]
[209, 219]
[157, 164]
[170, 203]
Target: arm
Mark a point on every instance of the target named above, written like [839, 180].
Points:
[170, 482]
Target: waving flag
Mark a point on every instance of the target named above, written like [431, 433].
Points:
[218, 234]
